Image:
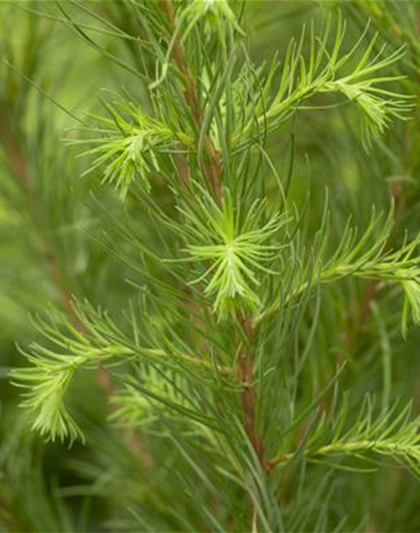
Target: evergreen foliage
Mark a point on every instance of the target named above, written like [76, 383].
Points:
[209, 266]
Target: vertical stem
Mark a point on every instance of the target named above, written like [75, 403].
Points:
[13, 522]
[249, 397]
[17, 162]
[245, 365]
[213, 167]
[13, 152]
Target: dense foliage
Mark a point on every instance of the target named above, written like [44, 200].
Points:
[209, 266]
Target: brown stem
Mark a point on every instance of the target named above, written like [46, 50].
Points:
[13, 152]
[245, 374]
[213, 167]
[248, 399]
[12, 522]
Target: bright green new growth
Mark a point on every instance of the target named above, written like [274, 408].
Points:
[364, 256]
[132, 140]
[236, 255]
[46, 398]
[393, 434]
[353, 74]
[53, 369]
[217, 11]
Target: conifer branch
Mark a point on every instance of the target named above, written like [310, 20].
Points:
[359, 258]
[226, 286]
[391, 434]
[15, 154]
[215, 359]
[330, 72]
[129, 146]
[96, 343]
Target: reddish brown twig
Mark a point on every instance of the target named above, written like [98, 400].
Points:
[213, 167]
[245, 372]
[9, 518]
